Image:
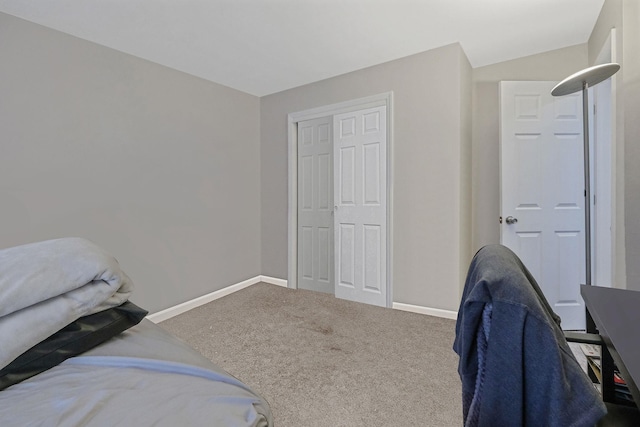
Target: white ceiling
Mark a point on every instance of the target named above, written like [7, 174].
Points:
[266, 46]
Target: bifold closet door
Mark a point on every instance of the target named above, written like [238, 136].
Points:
[360, 207]
[315, 205]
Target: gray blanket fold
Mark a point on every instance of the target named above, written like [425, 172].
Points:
[142, 377]
[44, 286]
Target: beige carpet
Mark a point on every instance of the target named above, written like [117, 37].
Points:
[322, 361]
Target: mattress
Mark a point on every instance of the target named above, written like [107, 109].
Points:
[141, 377]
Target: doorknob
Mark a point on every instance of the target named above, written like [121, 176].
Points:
[511, 220]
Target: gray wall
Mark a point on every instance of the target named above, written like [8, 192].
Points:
[185, 181]
[431, 140]
[157, 166]
[554, 65]
[631, 96]
[466, 169]
[624, 16]
[611, 17]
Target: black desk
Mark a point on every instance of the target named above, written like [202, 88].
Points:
[616, 313]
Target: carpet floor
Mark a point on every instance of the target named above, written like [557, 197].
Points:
[319, 360]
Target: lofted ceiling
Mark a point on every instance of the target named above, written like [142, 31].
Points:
[266, 46]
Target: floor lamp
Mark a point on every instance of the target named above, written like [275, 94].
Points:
[583, 80]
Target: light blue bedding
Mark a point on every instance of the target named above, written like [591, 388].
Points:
[45, 286]
[143, 377]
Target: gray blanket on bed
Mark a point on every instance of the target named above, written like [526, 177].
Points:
[45, 286]
[142, 377]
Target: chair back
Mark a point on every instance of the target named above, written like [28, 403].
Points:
[515, 366]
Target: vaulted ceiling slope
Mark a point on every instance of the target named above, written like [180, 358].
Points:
[266, 46]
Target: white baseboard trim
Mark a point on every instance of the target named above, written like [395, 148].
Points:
[274, 281]
[447, 314]
[170, 312]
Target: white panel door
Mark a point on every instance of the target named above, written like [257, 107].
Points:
[360, 193]
[315, 205]
[541, 166]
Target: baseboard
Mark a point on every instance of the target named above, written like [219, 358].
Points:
[274, 281]
[196, 302]
[447, 314]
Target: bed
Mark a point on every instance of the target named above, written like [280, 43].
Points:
[82, 354]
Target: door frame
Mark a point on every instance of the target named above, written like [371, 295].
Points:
[607, 54]
[382, 99]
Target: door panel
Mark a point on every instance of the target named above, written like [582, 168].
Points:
[315, 205]
[346, 255]
[360, 209]
[542, 187]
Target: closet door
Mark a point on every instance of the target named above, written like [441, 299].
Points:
[315, 205]
[360, 211]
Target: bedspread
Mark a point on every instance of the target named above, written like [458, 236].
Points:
[144, 377]
[121, 391]
[47, 285]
